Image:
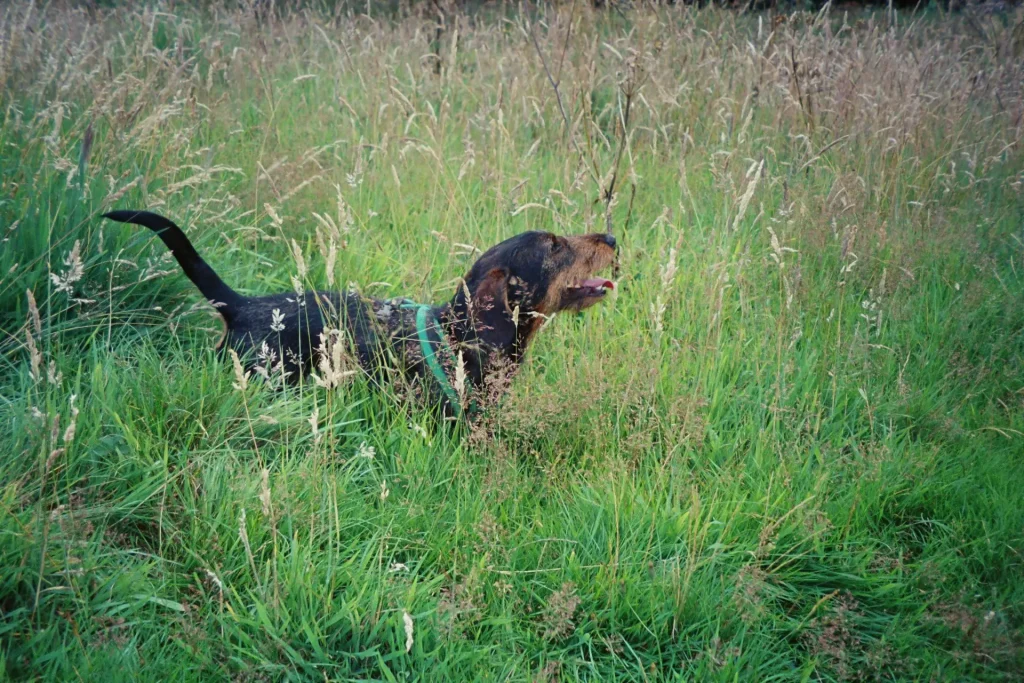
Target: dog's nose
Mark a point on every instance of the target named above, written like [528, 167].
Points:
[609, 239]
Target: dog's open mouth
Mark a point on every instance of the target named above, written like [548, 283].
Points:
[592, 287]
[585, 293]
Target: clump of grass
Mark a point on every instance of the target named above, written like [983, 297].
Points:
[787, 448]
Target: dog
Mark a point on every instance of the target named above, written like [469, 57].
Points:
[452, 355]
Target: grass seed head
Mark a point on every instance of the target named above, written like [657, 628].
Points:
[241, 377]
[73, 271]
[407, 621]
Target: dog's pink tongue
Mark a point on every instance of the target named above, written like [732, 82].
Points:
[596, 282]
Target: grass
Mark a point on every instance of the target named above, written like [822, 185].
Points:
[789, 449]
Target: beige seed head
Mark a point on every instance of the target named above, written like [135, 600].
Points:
[33, 310]
[241, 378]
[407, 620]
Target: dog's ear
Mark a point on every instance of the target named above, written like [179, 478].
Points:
[490, 310]
[492, 292]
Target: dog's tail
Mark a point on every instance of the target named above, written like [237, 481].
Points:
[226, 300]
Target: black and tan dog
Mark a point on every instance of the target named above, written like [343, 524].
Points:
[451, 354]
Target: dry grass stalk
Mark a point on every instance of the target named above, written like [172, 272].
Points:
[241, 376]
[336, 366]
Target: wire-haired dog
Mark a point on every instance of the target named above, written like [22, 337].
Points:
[451, 353]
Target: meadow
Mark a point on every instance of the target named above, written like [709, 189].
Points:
[789, 448]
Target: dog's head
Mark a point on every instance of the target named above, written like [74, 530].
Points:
[516, 284]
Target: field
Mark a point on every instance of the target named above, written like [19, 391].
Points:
[788, 448]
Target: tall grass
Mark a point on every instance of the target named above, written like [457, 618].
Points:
[789, 449]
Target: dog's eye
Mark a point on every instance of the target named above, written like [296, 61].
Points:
[556, 245]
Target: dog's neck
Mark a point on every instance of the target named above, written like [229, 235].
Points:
[489, 346]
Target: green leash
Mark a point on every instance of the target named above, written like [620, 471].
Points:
[429, 355]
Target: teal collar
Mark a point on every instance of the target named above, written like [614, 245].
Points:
[425, 318]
